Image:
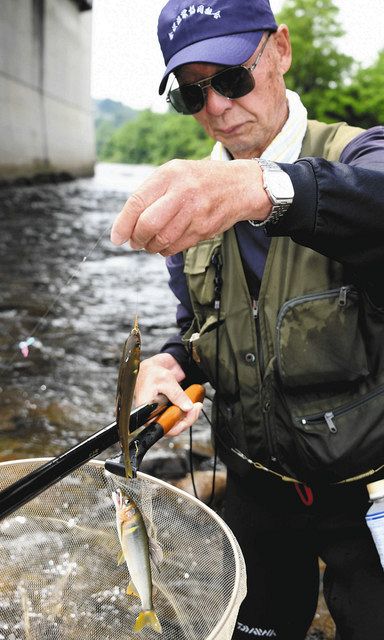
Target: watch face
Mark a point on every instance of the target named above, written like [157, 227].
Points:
[279, 184]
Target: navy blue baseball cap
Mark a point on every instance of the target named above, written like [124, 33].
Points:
[217, 32]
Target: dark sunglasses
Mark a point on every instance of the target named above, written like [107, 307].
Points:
[233, 82]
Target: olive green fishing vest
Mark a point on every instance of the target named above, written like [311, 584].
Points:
[300, 371]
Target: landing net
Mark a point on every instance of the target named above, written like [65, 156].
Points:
[59, 578]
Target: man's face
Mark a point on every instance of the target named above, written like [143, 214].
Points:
[247, 125]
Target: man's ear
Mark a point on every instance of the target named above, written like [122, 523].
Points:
[283, 47]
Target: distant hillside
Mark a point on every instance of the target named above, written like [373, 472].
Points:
[109, 116]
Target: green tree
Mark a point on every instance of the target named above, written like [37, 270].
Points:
[317, 64]
[109, 115]
[154, 138]
[361, 102]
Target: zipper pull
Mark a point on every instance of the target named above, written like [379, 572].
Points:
[343, 296]
[255, 308]
[328, 417]
[217, 262]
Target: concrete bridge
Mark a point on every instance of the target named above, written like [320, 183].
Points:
[46, 123]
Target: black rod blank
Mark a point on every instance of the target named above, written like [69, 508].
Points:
[31, 485]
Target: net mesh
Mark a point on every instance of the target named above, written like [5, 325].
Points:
[59, 577]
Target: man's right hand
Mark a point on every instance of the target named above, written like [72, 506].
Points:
[161, 374]
[186, 201]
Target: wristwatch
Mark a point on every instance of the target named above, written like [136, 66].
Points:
[279, 188]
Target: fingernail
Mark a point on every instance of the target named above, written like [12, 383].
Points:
[187, 405]
[116, 238]
[135, 246]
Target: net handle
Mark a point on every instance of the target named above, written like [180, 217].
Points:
[172, 415]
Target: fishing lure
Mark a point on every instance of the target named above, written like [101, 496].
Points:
[24, 346]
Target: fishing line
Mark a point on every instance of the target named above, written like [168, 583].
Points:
[218, 283]
[211, 497]
[140, 255]
[28, 341]
[191, 463]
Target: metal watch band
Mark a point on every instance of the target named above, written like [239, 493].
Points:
[280, 206]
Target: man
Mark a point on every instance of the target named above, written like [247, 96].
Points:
[280, 308]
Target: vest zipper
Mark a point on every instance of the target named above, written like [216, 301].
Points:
[260, 355]
[217, 262]
[266, 405]
[329, 417]
[341, 293]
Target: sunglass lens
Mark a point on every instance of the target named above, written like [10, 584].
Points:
[234, 82]
[188, 99]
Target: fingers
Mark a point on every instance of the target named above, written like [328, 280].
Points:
[125, 222]
[177, 396]
[159, 212]
[187, 421]
[161, 374]
[150, 191]
[176, 232]
[157, 225]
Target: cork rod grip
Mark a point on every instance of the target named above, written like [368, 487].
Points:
[172, 415]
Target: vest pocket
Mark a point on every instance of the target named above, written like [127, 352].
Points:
[319, 340]
[342, 441]
[201, 343]
[200, 271]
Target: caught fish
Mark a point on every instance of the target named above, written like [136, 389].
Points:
[136, 550]
[129, 368]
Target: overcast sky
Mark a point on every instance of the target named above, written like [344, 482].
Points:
[127, 64]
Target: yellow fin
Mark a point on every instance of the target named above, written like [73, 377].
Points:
[131, 590]
[120, 558]
[147, 619]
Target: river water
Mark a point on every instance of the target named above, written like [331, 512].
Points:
[66, 286]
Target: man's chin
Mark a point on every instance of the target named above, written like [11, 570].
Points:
[240, 151]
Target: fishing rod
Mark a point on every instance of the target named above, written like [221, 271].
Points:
[151, 434]
[31, 485]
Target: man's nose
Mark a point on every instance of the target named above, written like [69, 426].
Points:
[215, 103]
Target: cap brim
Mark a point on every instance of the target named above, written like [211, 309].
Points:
[227, 50]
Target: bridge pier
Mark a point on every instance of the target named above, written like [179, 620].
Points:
[46, 120]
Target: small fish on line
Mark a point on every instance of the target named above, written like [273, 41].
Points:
[129, 368]
[136, 550]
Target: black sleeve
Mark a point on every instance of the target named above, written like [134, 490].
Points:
[338, 210]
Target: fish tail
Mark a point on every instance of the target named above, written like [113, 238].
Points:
[147, 619]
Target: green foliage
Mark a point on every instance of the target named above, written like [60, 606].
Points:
[317, 64]
[154, 138]
[360, 103]
[109, 116]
